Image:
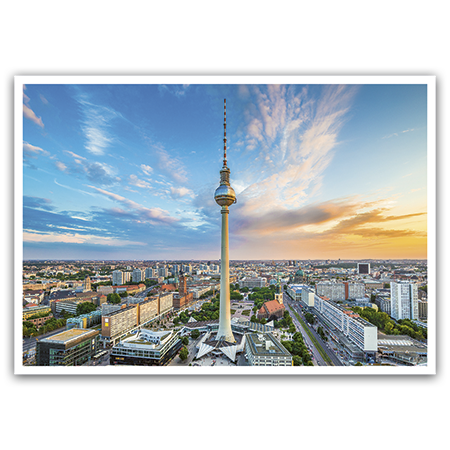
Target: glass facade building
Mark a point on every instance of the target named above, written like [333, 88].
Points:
[73, 347]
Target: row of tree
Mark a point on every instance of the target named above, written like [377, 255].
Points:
[298, 350]
[29, 329]
[388, 326]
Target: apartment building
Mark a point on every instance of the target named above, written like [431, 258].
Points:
[336, 291]
[117, 323]
[333, 291]
[118, 320]
[362, 333]
[138, 275]
[117, 278]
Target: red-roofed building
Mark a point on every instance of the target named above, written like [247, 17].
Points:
[271, 310]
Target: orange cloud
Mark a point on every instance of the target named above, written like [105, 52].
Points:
[335, 228]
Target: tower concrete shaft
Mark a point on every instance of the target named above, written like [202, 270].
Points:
[225, 331]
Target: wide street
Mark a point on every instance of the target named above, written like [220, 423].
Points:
[294, 306]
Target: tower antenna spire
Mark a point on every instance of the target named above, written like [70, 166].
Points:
[225, 132]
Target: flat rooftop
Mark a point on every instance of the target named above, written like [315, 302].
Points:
[257, 343]
[68, 335]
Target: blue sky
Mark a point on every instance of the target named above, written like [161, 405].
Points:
[129, 171]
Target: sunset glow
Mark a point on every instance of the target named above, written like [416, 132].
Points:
[129, 170]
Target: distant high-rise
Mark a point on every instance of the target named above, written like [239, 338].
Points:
[138, 275]
[404, 300]
[363, 268]
[117, 278]
[225, 197]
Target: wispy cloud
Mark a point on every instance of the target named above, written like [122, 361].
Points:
[76, 238]
[135, 181]
[96, 124]
[297, 134]
[181, 192]
[152, 215]
[397, 134]
[32, 151]
[170, 164]
[28, 112]
[174, 89]
[95, 171]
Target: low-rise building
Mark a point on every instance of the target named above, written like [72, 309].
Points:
[252, 282]
[263, 349]
[146, 348]
[295, 291]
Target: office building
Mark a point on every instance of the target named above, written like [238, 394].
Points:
[263, 349]
[146, 348]
[404, 300]
[73, 347]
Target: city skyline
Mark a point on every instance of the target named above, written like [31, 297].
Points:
[129, 171]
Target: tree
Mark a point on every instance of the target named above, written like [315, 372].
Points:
[185, 340]
[297, 360]
[184, 317]
[113, 298]
[310, 318]
[389, 327]
[85, 308]
[184, 352]
[195, 334]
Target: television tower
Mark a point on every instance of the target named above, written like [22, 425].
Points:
[224, 197]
